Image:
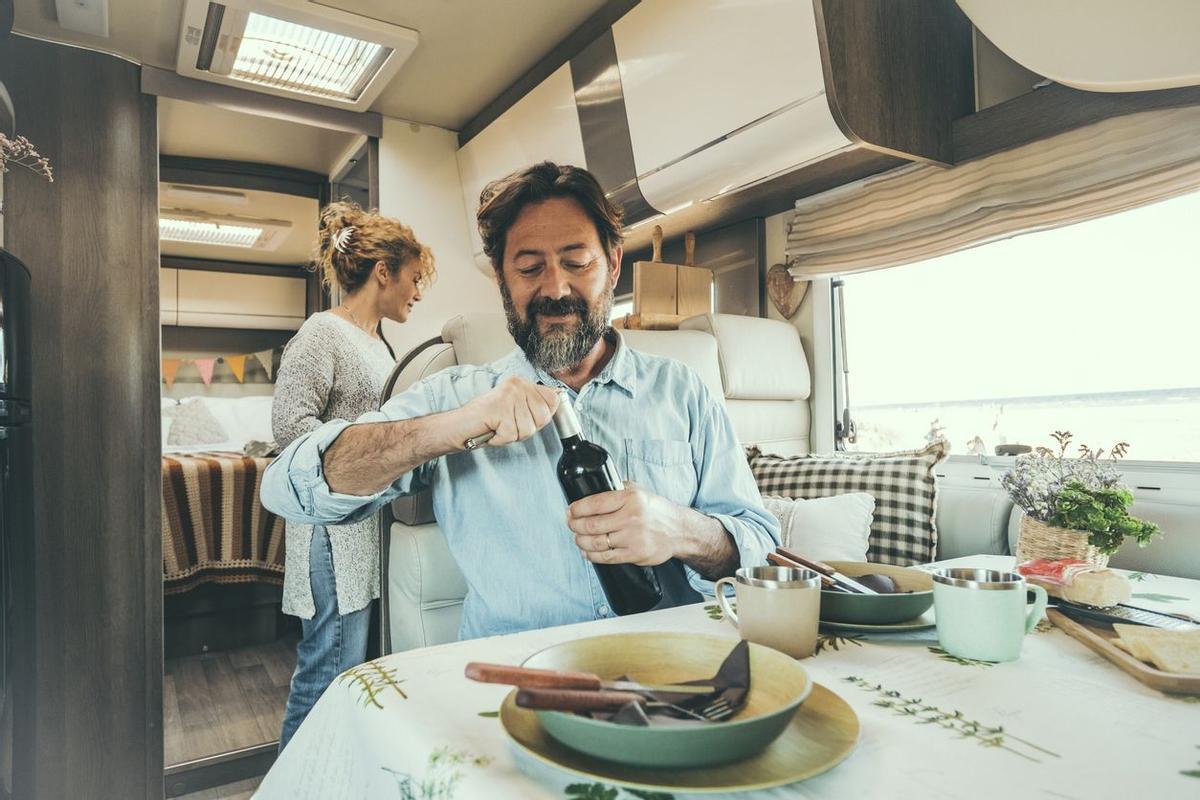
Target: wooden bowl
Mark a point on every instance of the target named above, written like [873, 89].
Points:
[913, 600]
[778, 685]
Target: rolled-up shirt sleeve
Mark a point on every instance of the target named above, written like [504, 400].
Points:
[294, 485]
[727, 493]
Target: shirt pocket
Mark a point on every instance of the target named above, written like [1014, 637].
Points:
[663, 466]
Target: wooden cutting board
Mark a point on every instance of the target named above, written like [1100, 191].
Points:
[1099, 639]
[660, 288]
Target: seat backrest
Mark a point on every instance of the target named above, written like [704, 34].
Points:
[756, 366]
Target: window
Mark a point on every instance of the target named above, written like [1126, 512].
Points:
[1091, 328]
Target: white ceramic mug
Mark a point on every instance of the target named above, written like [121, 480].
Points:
[776, 606]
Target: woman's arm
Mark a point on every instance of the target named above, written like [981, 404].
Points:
[302, 386]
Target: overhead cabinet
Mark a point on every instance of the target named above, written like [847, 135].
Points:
[210, 299]
[695, 107]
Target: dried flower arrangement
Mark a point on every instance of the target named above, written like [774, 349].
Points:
[1081, 494]
[21, 152]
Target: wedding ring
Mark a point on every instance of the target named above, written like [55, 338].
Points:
[608, 540]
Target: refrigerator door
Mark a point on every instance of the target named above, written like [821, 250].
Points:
[16, 382]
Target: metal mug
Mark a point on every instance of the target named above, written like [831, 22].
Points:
[776, 606]
[982, 613]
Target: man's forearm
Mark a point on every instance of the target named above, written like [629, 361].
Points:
[705, 545]
[367, 458]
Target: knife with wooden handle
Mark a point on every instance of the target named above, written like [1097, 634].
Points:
[529, 678]
[849, 584]
[575, 700]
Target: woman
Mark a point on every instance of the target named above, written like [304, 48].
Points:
[335, 368]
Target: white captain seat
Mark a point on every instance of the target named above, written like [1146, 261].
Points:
[756, 365]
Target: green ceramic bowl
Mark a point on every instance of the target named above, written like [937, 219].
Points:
[883, 609]
[778, 685]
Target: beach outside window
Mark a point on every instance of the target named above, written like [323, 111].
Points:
[1091, 328]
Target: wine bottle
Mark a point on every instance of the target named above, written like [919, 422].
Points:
[584, 469]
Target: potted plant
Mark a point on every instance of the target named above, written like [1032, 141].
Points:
[1074, 507]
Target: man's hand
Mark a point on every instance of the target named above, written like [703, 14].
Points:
[515, 410]
[635, 526]
[630, 526]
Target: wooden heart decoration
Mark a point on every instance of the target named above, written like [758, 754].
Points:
[785, 291]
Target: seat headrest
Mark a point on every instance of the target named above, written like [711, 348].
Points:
[761, 359]
[695, 348]
[478, 338]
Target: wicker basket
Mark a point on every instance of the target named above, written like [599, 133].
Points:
[1039, 540]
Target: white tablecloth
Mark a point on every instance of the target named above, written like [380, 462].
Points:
[410, 725]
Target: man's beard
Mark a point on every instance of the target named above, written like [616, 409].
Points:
[563, 345]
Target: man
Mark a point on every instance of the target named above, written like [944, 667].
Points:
[689, 508]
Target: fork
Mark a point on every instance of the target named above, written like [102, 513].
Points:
[579, 700]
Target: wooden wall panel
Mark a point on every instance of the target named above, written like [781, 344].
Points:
[90, 240]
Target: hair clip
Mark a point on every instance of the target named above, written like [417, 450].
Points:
[342, 238]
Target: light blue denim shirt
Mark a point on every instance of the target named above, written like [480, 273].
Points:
[502, 509]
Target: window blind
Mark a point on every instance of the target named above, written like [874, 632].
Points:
[922, 211]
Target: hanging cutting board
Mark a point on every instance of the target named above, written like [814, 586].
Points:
[662, 290]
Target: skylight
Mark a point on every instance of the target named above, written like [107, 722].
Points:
[306, 51]
[199, 232]
[293, 57]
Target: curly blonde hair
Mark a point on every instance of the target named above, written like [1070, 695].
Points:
[352, 240]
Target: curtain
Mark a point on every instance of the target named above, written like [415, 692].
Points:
[922, 211]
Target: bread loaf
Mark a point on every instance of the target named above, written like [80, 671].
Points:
[1078, 581]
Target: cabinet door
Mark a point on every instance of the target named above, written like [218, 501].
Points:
[230, 300]
[543, 125]
[168, 296]
[694, 71]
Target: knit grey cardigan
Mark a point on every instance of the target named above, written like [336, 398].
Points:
[331, 369]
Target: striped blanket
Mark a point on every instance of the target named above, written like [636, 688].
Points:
[214, 528]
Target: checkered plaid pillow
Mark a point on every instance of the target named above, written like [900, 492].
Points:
[903, 484]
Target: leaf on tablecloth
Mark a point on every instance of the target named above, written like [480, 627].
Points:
[644, 795]
[833, 641]
[443, 774]
[489, 714]
[1139, 576]
[372, 680]
[923, 713]
[966, 662]
[1192, 773]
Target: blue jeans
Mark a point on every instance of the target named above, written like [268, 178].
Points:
[331, 643]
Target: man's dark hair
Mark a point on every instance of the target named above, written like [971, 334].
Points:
[502, 200]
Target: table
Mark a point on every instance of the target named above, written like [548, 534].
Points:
[409, 725]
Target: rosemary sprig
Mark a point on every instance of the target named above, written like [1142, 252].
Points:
[966, 662]
[833, 641]
[372, 679]
[924, 714]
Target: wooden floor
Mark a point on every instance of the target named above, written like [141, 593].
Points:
[217, 702]
[242, 790]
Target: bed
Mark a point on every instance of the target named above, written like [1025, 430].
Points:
[214, 528]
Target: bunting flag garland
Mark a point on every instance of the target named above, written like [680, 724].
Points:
[205, 365]
[237, 365]
[170, 366]
[267, 359]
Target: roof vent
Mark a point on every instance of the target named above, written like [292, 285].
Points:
[317, 54]
[195, 227]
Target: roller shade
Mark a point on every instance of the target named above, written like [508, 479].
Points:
[924, 211]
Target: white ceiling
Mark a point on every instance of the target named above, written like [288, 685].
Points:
[192, 129]
[470, 50]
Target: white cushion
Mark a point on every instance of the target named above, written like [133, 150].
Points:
[761, 359]
[696, 349]
[478, 338]
[195, 425]
[834, 528]
[245, 419]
